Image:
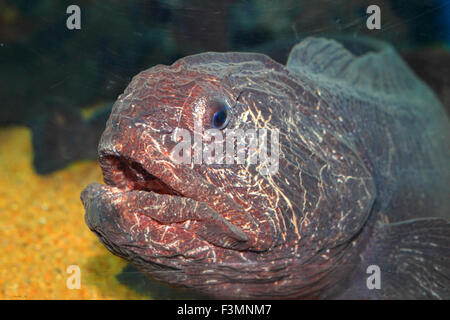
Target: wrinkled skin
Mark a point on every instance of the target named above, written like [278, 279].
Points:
[226, 230]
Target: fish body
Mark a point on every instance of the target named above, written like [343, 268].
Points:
[62, 136]
[362, 177]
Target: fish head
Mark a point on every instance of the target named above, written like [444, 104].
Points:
[187, 208]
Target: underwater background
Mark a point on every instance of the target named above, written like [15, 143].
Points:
[57, 87]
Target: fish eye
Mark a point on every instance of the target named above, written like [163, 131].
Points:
[221, 117]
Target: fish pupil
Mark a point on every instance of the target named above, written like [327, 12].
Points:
[220, 118]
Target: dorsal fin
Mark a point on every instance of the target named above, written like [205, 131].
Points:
[365, 64]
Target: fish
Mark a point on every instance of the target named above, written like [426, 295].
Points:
[356, 208]
[61, 135]
[430, 64]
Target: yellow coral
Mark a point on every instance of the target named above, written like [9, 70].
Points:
[42, 230]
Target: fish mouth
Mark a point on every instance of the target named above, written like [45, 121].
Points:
[141, 208]
[130, 175]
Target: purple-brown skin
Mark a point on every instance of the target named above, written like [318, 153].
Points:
[226, 230]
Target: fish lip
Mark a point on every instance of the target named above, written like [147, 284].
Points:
[99, 201]
[129, 174]
[98, 198]
[108, 223]
[238, 229]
